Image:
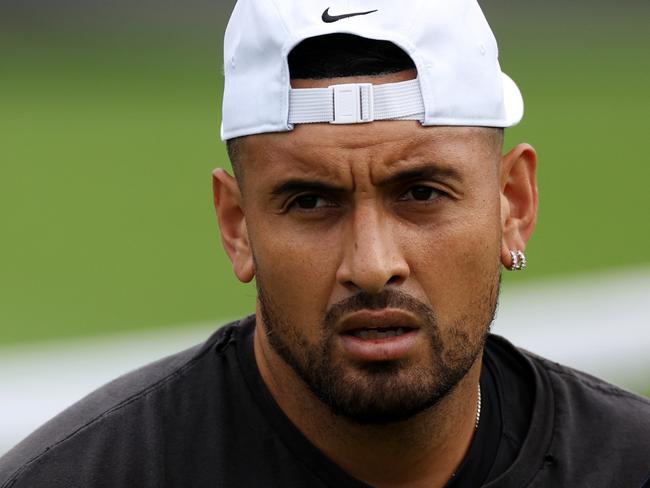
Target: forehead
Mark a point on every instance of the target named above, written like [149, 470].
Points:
[381, 147]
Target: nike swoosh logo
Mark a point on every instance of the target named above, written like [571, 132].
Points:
[327, 18]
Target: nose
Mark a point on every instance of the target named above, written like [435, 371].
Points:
[372, 256]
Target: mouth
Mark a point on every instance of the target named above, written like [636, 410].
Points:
[378, 324]
[379, 335]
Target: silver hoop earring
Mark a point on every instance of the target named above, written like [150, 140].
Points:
[518, 260]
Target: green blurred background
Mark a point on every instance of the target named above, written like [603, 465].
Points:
[109, 121]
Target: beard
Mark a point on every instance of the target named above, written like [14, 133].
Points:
[380, 392]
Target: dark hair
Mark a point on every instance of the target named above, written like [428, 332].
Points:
[340, 55]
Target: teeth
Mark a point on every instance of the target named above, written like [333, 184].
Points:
[366, 334]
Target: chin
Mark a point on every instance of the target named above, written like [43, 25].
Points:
[381, 393]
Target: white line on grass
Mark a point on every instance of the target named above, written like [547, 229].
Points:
[599, 324]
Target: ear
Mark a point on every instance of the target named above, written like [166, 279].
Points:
[232, 222]
[519, 199]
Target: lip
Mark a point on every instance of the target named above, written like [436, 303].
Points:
[379, 349]
[376, 319]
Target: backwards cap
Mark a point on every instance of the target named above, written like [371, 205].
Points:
[459, 80]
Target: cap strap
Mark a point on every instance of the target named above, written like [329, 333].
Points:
[353, 103]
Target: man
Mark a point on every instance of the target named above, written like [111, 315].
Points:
[374, 208]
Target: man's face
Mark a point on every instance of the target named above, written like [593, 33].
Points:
[377, 257]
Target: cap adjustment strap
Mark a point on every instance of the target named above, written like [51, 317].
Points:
[353, 103]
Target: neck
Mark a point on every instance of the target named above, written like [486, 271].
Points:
[425, 450]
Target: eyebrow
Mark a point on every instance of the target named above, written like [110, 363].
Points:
[424, 171]
[297, 185]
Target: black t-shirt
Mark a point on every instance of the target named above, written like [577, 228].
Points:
[204, 418]
[504, 420]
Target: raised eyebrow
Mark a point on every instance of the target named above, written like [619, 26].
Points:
[424, 171]
[299, 185]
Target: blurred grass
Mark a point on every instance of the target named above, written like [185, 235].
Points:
[107, 148]
[107, 141]
[584, 70]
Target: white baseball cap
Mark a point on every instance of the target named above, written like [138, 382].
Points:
[459, 80]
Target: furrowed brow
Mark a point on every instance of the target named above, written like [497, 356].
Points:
[425, 171]
[299, 185]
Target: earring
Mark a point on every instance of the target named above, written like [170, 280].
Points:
[518, 260]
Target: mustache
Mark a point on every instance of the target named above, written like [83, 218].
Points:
[385, 299]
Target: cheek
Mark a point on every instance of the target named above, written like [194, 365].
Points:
[457, 263]
[297, 271]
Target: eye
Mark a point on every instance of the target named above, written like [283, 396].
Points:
[309, 201]
[421, 193]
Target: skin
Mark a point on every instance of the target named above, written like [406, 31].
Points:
[352, 228]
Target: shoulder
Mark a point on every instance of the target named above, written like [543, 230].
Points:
[599, 434]
[572, 388]
[106, 417]
[588, 397]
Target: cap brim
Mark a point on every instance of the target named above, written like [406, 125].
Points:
[512, 100]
